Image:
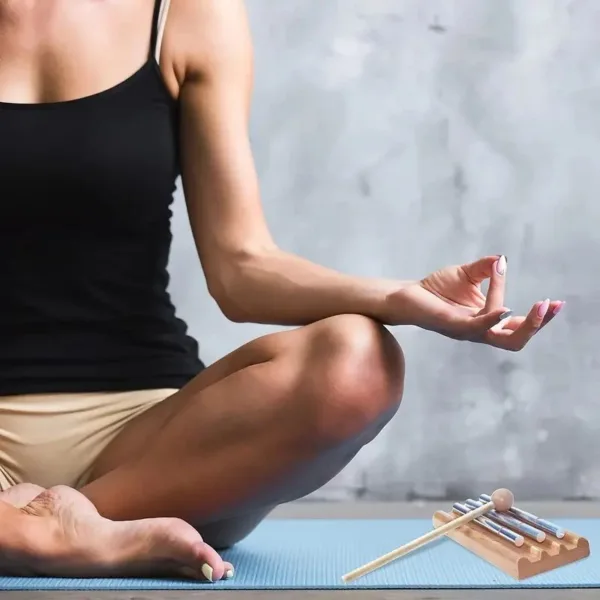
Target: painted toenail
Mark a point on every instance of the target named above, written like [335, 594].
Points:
[229, 573]
[207, 571]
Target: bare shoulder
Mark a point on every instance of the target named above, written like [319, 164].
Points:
[206, 38]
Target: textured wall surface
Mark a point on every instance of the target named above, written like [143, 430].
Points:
[394, 137]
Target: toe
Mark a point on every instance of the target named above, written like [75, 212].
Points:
[209, 565]
[229, 570]
[197, 560]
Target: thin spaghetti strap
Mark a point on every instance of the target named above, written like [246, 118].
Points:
[154, 32]
[161, 10]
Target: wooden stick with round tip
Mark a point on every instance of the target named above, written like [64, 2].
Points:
[502, 500]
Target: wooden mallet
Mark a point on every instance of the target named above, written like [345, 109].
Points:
[501, 500]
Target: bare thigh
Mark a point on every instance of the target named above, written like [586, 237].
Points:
[131, 442]
[133, 439]
[347, 373]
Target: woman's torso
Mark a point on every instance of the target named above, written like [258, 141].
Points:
[88, 163]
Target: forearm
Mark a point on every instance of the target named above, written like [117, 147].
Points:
[279, 288]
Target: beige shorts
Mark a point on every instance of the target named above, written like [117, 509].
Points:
[55, 439]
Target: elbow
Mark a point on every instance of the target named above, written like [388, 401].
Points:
[233, 285]
[229, 303]
[227, 290]
[235, 313]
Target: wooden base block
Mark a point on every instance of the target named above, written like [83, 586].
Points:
[532, 558]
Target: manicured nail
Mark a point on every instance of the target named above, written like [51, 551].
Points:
[505, 315]
[543, 309]
[501, 265]
[229, 573]
[558, 308]
[207, 571]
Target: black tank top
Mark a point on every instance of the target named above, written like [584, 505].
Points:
[86, 192]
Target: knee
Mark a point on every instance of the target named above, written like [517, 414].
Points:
[354, 368]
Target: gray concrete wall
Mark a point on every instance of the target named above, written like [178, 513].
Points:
[394, 137]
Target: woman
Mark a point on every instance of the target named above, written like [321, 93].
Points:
[120, 453]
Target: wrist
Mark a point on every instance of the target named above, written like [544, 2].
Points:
[391, 307]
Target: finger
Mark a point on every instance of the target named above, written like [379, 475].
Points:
[479, 325]
[513, 323]
[480, 270]
[495, 295]
[502, 336]
[518, 338]
[555, 307]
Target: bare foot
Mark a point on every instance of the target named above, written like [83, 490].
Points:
[60, 533]
[21, 494]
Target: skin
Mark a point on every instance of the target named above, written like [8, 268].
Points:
[55, 50]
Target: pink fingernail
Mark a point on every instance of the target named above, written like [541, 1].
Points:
[558, 308]
[543, 309]
[501, 265]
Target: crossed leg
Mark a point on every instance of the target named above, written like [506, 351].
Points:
[270, 423]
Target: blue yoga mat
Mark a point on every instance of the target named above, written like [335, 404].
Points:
[314, 554]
